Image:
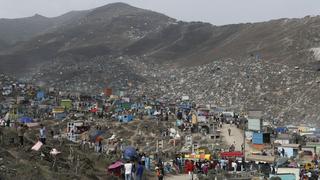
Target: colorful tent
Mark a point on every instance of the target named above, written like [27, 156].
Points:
[198, 156]
[231, 154]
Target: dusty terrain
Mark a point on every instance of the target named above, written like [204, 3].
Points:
[271, 66]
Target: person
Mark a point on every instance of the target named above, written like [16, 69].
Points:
[168, 168]
[100, 145]
[21, 131]
[229, 131]
[232, 148]
[8, 123]
[143, 160]
[217, 167]
[159, 171]
[133, 171]
[42, 134]
[205, 168]
[128, 170]
[283, 152]
[52, 133]
[139, 171]
[147, 163]
[234, 166]
[189, 167]
[1, 135]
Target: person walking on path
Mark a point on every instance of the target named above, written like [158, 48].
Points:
[139, 171]
[21, 131]
[42, 134]
[128, 170]
[229, 131]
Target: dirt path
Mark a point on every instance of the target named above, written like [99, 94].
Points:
[235, 137]
[181, 177]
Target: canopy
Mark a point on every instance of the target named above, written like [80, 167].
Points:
[231, 154]
[25, 120]
[115, 165]
[198, 156]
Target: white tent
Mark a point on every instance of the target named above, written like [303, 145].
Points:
[156, 113]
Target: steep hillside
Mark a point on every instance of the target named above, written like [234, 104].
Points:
[119, 29]
[23, 29]
[103, 31]
[13, 30]
[289, 41]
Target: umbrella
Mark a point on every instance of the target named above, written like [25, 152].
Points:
[129, 152]
[115, 165]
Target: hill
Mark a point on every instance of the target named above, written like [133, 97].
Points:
[103, 31]
[13, 31]
[121, 46]
[119, 29]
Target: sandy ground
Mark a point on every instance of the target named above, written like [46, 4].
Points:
[235, 137]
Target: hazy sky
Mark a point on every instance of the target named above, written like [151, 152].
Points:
[214, 11]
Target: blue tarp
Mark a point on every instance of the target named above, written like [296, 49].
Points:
[25, 120]
[281, 129]
[129, 153]
[40, 95]
[257, 138]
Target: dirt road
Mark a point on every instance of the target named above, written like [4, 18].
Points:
[181, 177]
[236, 136]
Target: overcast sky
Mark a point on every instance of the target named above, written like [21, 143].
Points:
[217, 12]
